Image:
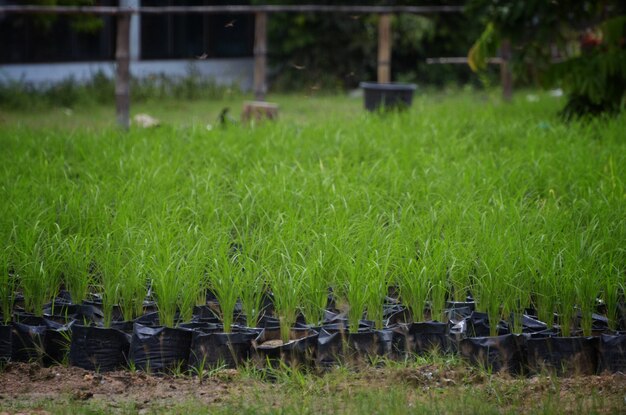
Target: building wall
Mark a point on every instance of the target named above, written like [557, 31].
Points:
[224, 71]
[54, 49]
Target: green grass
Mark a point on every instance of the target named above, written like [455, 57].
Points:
[427, 385]
[501, 200]
[461, 192]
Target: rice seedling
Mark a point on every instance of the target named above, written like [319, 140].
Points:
[193, 275]
[353, 276]
[225, 270]
[286, 284]
[132, 278]
[253, 285]
[77, 260]
[500, 204]
[435, 268]
[379, 277]
[35, 267]
[7, 286]
[314, 292]
[109, 265]
[165, 261]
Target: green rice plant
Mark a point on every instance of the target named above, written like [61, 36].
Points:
[110, 262]
[7, 285]
[353, 275]
[314, 292]
[586, 274]
[414, 286]
[77, 259]
[35, 280]
[519, 274]
[164, 263]
[612, 289]
[253, 285]
[225, 273]
[379, 277]
[193, 274]
[286, 284]
[434, 269]
[565, 292]
[132, 280]
[494, 271]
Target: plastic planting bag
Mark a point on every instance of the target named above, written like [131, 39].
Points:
[159, 349]
[563, 355]
[98, 348]
[499, 353]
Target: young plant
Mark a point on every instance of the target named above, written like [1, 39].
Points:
[164, 265]
[132, 276]
[225, 279]
[434, 268]
[355, 290]
[31, 268]
[7, 286]
[252, 288]
[193, 272]
[314, 293]
[379, 267]
[286, 284]
[110, 263]
[78, 257]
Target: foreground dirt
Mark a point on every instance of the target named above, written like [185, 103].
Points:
[23, 388]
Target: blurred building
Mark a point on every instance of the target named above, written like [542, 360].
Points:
[48, 48]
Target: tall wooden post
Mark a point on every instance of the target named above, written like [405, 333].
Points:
[506, 76]
[384, 48]
[122, 73]
[260, 55]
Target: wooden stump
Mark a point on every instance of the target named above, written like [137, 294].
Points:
[258, 111]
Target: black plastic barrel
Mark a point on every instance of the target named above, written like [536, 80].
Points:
[387, 96]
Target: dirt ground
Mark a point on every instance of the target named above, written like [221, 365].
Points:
[30, 388]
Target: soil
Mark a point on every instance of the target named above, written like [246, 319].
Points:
[32, 382]
[26, 384]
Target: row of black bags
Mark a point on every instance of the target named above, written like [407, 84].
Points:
[145, 345]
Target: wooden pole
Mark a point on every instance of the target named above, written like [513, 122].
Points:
[384, 49]
[122, 73]
[506, 76]
[260, 55]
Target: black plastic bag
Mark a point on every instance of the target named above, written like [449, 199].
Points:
[499, 353]
[563, 355]
[299, 351]
[28, 339]
[159, 349]
[612, 353]
[428, 337]
[218, 348]
[335, 346]
[98, 348]
[478, 326]
[6, 336]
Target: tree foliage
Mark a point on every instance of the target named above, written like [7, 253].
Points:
[579, 46]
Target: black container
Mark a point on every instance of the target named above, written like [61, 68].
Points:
[39, 339]
[387, 96]
[98, 348]
[339, 346]
[612, 353]
[428, 337]
[6, 336]
[229, 349]
[159, 349]
[563, 355]
[299, 351]
[499, 353]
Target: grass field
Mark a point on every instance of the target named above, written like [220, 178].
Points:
[460, 194]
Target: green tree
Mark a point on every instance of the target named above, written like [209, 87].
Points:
[577, 45]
